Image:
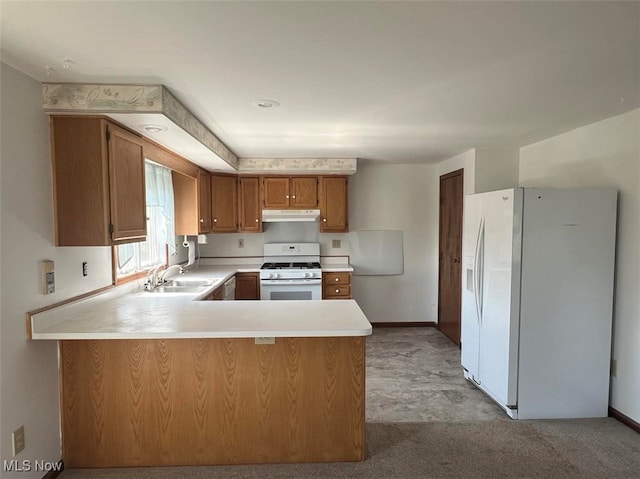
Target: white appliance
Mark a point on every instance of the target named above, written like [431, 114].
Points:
[537, 299]
[277, 216]
[230, 289]
[291, 271]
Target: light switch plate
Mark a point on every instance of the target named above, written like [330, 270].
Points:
[265, 340]
[336, 243]
[48, 276]
[17, 440]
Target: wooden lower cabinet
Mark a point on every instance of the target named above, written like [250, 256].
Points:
[169, 402]
[247, 286]
[336, 285]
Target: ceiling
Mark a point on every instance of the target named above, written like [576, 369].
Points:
[403, 82]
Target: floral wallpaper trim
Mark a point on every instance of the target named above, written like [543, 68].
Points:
[102, 98]
[107, 98]
[176, 112]
[342, 165]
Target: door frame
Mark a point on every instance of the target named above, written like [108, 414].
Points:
[446, 176]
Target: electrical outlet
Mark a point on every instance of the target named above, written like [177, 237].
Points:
[335, 243]
[85, 269]
[265, 340]
[17, 440]
[240, 243]
[614, 368]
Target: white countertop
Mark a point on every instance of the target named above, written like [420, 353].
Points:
[125, 314]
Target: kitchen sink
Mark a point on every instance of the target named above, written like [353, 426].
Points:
[175, 289]
[180, 283]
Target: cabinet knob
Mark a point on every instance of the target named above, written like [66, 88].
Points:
[293, 196]
[337, 290]
[201, 220]
[324, 219]
[257, 220]
[215, 220]
[337, 279]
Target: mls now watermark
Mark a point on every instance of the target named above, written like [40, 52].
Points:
[28, 465]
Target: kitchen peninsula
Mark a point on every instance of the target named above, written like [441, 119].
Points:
[159, 380]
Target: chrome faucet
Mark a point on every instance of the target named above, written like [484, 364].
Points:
[170, 271]
[152, 278]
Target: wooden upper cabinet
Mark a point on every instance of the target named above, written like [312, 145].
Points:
[276, 192]
[185, 195]
[334, 204]
[98, 182]
[304, 192]
[204, 202]
[127, 188]
[300, 192]
[224, 203]
[250, 214]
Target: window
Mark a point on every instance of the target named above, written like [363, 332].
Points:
[136, 257]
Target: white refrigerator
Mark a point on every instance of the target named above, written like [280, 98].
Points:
[537, 299]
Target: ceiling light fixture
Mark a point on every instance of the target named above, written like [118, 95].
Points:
[266, 104]
[154, 128]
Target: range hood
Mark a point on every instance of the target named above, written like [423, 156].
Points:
[273, 216]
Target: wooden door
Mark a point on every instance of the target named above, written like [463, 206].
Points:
[204, 202]
[304, 192]
[224, 203]
[247, 286]
[126, 185]
[333, 204]
[449, 266]
[276, 192]
[250, 213]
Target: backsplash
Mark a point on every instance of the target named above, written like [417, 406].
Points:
[227, 244]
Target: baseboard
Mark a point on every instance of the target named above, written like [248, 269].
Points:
[411, 324]
[626, 420]
[53, 474]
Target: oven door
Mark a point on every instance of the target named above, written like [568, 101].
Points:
[290, 289]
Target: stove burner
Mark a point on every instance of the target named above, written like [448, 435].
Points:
[296, 265]
[275, 265]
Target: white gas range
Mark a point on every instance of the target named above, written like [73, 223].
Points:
[291, 271]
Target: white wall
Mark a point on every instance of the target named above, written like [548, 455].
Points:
[496, 169]
[606, 153]
[29, 369]
[403, 197]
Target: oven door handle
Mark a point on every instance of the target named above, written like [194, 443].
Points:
[291, 282]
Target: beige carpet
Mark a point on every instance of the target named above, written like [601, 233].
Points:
[589, 449]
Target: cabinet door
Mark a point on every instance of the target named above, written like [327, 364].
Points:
[126, 177]
[304, 192]
[224, 203]
[333, 204]
[247, 286]
[204, 202]
[250, 212]
[276, 192]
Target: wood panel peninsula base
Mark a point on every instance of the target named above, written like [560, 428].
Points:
[169, 402]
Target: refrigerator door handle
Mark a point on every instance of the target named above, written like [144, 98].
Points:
[481, 271]
[476, 265]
